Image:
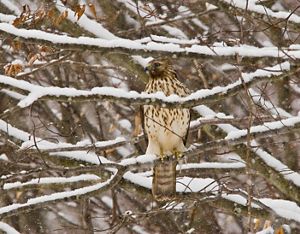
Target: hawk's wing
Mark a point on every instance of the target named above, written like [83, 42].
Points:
[188, 92]
[143, 123]
[187, 132]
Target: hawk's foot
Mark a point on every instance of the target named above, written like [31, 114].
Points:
[178, 155]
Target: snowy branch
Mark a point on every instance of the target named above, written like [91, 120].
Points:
[130, 46]
[87, 191]
[278, 174]
[133, 98]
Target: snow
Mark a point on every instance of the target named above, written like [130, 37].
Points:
[7, 18]
[218, 116]
[200, 24]
[142, 159]
[89, 25]
[81, 155]
[150, 19]
[107, 201]
[295, 87]
[7, 228]
[137, 179]
[267, 105]
[14, 132]
[12, 7]
[210, 6]
[267, 126]
[211, 165]
[268, 230]
[174, 206]
[157, 38]
[56, 196]
[36, 91]
[290, 175]
[139, 229]
[187, 184]
[287, 209]
[13, 94]
[184, 184]
[125, 123]
[284, 208]
[3, 157]
[142, 61]
[46, 145]
[277, 165]
[237, 199]
[242, 50]
[176, 32]
[52, 180]
[251, 6]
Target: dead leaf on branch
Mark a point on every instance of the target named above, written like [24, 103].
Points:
[61, 17]
[79, 10]
[32, 58]
[24, 16]
[51, 13]
[13, 69]
[93, 9]
[15, 44]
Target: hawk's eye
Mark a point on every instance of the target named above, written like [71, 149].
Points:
[156, 65]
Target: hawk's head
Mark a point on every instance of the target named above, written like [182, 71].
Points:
[157, 68]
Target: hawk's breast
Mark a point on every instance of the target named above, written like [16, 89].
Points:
[166, 127]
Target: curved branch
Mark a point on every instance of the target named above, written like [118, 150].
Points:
[42, 201]
[203, 96]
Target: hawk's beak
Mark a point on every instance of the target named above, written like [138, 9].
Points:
[147, 69]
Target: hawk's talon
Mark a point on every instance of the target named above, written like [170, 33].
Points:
[178, 155]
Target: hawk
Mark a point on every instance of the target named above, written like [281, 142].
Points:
[166, 128]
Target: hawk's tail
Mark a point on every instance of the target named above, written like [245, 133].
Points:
[164, 180]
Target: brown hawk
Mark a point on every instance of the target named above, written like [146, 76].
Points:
[166, 128]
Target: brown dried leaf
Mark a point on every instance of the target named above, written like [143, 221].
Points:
[79, 10]
[51, 13]
[93, 9]
[26, 9]
[61, 17]
[16, 45]
[33, 59]
[257, 224]
[13, 69]
[18, 21]
[46, 49]
[40, 14]
[279, 230]
[267, 224]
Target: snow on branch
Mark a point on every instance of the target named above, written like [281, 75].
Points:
[78, 151]
[86, 23]
[51, 180]
[283, 178]
[61, 196]
[251, 5]
[185, 185]
[267, 105]
[7, 18]
[8, 229]
[210, 188]
[46, 146]
[202, 96]
[289, 123]
[126, 45]
[283, 208]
